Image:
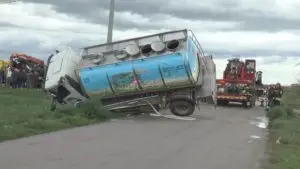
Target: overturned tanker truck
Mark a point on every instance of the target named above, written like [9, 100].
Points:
[160, 71]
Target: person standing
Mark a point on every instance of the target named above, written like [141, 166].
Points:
[9, 76]
[271, 95]
[2, 77]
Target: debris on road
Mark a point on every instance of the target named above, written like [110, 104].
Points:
[260, 122]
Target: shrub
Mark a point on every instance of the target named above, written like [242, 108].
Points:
[27, 112]
[280, 112]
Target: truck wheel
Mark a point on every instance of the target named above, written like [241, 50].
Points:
[250, 104]
[182, 108]
[77, 104]
[244, 104]
[247, 104]
[222, 102]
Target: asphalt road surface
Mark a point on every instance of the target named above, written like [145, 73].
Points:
[225, 138]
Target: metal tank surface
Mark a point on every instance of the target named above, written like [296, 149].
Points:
[132, 66]
[160, 71]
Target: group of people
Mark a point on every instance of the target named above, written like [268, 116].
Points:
[22, 74]
[20, 78]
[274, 92]
[12, 78]
[237, 89]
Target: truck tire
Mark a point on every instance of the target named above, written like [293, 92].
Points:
[77, 105]
[246, 105]
[182, 107]
[222, 102]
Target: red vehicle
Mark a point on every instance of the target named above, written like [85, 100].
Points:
[28, 69]
[238, 83]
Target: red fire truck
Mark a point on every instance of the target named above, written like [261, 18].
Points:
[238, 83]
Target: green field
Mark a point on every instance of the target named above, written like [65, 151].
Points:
[25, 112]
[284, 133]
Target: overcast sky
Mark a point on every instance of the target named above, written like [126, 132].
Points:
[267, 30]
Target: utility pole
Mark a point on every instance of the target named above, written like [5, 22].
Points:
[111, 21]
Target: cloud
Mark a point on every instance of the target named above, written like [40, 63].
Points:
[251, 15]
[39, 29]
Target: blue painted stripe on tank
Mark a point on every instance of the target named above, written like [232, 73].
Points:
[94, 79]
[153, 73]
[162, 78]
[173, 70]
[187, 66]
[109, 83]
[148, 72]
[193, 60]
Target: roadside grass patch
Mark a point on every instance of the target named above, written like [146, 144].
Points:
[285, 144]
[26, 112]
[284, 134]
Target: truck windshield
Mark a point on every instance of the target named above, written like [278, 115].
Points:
[250, 66]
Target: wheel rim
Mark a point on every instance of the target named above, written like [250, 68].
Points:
[182, 108]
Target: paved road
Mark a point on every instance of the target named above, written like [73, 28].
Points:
[219, 139]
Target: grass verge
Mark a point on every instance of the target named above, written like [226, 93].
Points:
[25, 112]
[284, 135]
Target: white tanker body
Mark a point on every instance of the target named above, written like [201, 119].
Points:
[165, 70]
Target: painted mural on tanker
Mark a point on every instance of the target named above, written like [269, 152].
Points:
[125, 82]
[122, 77]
